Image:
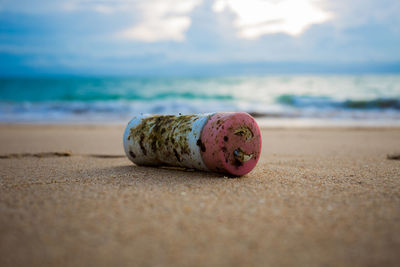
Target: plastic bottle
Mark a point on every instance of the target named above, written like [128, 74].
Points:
[226, 142]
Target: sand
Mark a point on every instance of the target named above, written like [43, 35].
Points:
[318, 197]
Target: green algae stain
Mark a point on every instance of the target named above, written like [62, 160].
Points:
[163, 136]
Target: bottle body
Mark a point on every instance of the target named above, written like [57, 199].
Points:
[221, 142]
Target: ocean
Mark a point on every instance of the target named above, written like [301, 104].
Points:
[373, 99]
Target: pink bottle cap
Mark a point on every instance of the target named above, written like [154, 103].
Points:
[231, 143]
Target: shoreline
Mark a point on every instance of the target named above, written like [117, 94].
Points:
[263, 122]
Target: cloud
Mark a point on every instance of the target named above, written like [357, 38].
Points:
[100, 6]
[162, 20]
[356, 13]
[80, 34]
[51, 6]
[154, 20]
[255, 18]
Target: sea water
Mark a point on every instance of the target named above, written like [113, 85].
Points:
[326, 98]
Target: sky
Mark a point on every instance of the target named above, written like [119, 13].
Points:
[189, 37]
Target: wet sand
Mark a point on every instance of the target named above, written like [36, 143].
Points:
[318, 197]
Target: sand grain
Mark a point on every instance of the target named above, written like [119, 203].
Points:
[319, 197]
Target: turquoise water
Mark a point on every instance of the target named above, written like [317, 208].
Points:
[118, 99]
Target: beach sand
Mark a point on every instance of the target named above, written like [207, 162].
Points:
[318, 197]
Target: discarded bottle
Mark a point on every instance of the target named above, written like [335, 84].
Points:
[226, 142]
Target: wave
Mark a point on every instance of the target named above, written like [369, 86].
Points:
[303, 101]
[110, 96]
[104, 110]
[373, 104]
[118, 99]
[122, 111]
